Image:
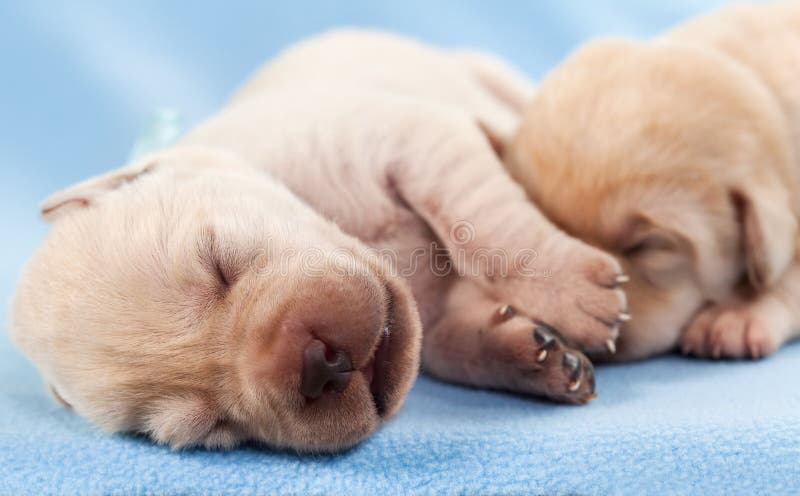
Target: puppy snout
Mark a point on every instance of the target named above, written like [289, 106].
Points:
[324, 369]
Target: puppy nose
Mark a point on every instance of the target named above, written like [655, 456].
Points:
[319, 371]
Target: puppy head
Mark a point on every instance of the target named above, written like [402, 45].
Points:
[673, 158]
[192, 298]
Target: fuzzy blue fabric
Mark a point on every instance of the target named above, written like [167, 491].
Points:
[666, 426]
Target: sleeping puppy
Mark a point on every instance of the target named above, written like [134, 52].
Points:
[680, 156]
[268, 278]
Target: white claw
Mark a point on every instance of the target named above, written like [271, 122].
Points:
[615, 330]
[505, 311]
[622, 279]
[611, 346]
[624, 317]
[541, 356]
[574, 386]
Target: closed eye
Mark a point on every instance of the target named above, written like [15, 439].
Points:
[215, 261]
[634, 250]
[648, 243]
[220, 274]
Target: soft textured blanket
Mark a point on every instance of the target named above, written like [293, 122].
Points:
[668, 426]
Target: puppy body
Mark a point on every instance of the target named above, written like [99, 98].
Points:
[187, 295]
[686, 148]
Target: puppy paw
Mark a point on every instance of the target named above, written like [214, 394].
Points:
[566, 374]
[578, 292]
[736, 330]
[532, 358]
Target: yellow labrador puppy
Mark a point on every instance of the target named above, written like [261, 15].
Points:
[268, 277]
[681, 155]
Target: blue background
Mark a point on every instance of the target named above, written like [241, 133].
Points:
[79, 83]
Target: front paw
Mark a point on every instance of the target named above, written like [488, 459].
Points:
[736, 330]
[532, 358]
[581, 294]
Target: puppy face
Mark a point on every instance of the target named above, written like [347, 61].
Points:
[191, 298]
[672, 158]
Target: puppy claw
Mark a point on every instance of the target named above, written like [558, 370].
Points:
[547, 367]
[624, 317]
[574, 373]
[541, 356]
[545, 340]
[506, 312]
[611, 346]
[615, 331]
[622, 279]
[572, 363]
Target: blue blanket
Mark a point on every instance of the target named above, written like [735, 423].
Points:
[78, 81]
[667, 426]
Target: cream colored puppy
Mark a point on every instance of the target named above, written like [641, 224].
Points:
[269, 276]
[680, 155]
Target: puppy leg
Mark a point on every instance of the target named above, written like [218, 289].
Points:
[481, 342]
[747, 328]
[496, 237]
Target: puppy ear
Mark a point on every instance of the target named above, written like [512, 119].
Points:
[768, 230]
[85, 192]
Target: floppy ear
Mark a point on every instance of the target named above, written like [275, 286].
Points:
[85, 192]
[769, 232]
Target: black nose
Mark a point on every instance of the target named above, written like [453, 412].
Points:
[319, 372]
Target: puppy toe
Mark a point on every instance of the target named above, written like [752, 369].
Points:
[759, 339]
[566, 375]
[693, 341]
[578, 378]
[595, 324]
[603, 270]
[736, 330]
[726, 336]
